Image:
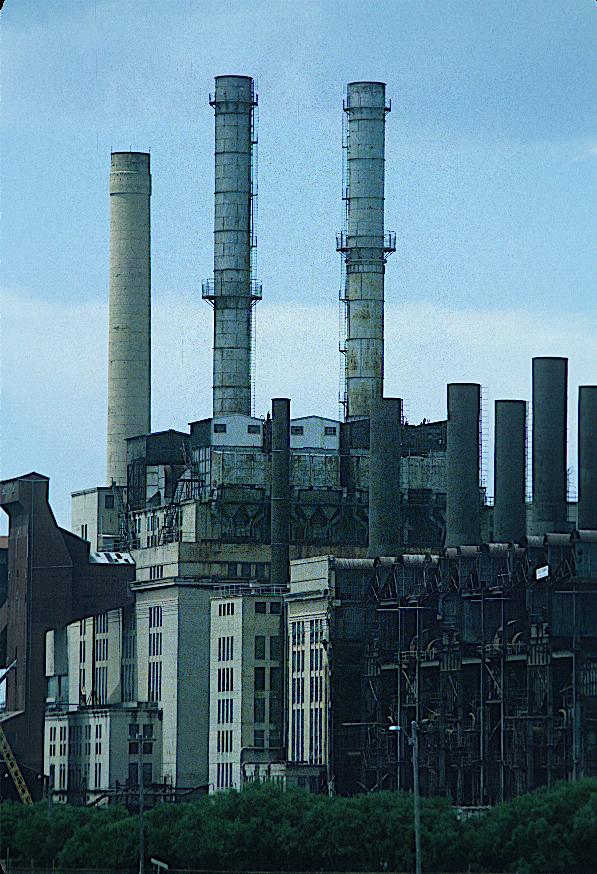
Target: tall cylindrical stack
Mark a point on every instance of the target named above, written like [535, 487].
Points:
[587, 457]
[462, 460]
[550, 400]
[364, 246]
[509, 512]
[129, 340]
[280, 502]
[385, 453]
[232, 291]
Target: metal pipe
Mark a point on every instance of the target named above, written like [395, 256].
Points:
[129, 331]
[233, 291]
[462, 460]
[509, 512]
[550, 398]
[417, 796]
[385, 453]
[364, 245]
[587, 457]
[280, 494]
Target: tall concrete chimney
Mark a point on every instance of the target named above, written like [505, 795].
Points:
[587, 457]
[233, 291]
[364, 246]
[280, 506]
[550, 400]
[129, 337]
[463, 521]
[385, 454]
[509, 511]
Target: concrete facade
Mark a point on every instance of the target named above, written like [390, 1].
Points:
[94, 517]
[129, 335]
[246, 683]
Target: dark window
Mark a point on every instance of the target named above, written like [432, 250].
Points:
[245, 570]
[259, 606]
[329, 431]
[260, 570]
[109, 502]
[259, 709]
[259, 738]
[133, 748]
[253, 429]
[133, 774]
[259, 646]
[275, 649]
[275, 607]
[232, 569]
[275, 679]
[296, 429]
[259, 679]
[219, 428]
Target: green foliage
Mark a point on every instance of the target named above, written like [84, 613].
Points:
[264, 828]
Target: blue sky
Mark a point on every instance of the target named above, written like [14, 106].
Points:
[491, 153]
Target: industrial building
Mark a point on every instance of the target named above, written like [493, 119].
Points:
[281, 592]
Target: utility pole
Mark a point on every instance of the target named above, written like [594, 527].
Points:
[141, 824]
[415, 742]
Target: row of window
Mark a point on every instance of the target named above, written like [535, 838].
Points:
[75, 740]
[226, 609]
[225, 710]
[224, 775]
[299, 430]
[155, 643]
[225, 679]
[225, 741]
[221, 428]
[225, 648]
[154, 681]
[275, 679]
[156, 571]
[275, 647]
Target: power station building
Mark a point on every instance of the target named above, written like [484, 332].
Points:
[302, 585]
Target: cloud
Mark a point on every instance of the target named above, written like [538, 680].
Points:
[54, 371]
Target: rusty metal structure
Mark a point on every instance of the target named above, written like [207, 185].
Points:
[493, 651]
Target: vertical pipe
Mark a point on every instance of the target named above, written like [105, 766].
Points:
[232, 291]
[280, 500]
[550, 398]
[364, 245]
[509, 512]
[385, 453]
[129, 332]
[462, 475]
[587, 457]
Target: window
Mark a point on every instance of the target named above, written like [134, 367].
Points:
[219, 428]
[275, 607]
[259, 646]
[259, 740]
[259, 709]
[232, 570]
[226, 609]
[275, 679]
[260, 606]
[297, 429]
[275, 649]
[259, 679]
[109, 502]
[245, 570]
[329, 431]
[225, 649]
[253, 429]
[84, 532]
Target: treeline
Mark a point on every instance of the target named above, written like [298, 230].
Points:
[266, 829]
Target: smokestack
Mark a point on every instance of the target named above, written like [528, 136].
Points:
[385, 454]
[129, 339]
[550, 399]
[587, 457]
[233, 291]
[280, 508]
[364, 245]
[509, 511]
[462, 459]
